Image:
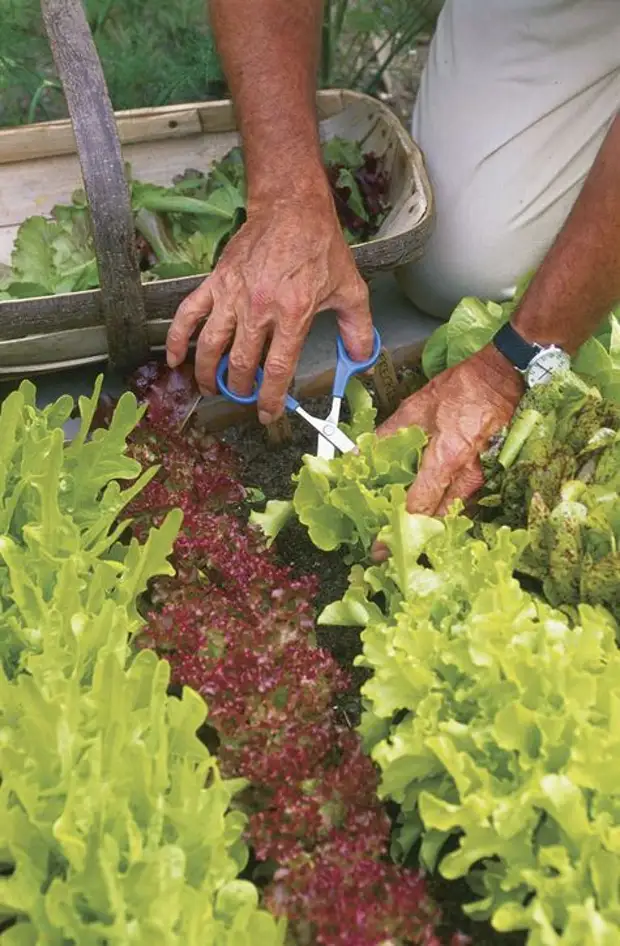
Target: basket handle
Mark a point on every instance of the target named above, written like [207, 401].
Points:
[101, 161]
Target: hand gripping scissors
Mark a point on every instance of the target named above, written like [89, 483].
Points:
[331, 438]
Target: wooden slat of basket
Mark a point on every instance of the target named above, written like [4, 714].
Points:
[136, 125]
[51, 139]
[26, 317]
[102, 166]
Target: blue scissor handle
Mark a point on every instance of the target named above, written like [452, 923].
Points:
[222, 376]
[346, 367]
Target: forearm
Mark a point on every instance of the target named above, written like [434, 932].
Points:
[579, 280]
[269, 51]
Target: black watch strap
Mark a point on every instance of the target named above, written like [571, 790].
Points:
[513, 347]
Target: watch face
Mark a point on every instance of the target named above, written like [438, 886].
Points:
[546, 364]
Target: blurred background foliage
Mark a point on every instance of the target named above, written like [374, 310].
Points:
[155, 53]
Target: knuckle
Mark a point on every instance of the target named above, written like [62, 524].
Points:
[296, 312]
[279, 368]
[204, 344]
[240, 361]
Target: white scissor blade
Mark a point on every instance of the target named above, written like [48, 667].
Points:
[324, 448]
[340, 441]
[329, 431]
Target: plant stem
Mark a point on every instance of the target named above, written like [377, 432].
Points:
[341, 11]
[35, 101]
[326, 46]
[352, 52]
[102, 17]
[396, 40]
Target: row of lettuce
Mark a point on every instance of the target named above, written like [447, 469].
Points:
[115, 821]
[130, 813]
[493, 700]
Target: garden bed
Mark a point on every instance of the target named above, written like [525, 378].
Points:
[133, 589]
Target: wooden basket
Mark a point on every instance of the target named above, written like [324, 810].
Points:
[41, 165]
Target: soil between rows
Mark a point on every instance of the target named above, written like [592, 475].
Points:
[270, 469]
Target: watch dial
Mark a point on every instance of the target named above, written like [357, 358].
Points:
[545, 365]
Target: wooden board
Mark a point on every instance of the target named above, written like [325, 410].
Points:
[39, 168]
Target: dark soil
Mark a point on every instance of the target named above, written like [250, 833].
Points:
[270, 469]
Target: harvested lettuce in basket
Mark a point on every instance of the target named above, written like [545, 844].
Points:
[182, 229]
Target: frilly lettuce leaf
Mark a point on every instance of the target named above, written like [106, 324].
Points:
[53, 257]
[363, 410]
[277, 513]
[557, 474]
[346, 500]
[116, 825]
[487, 713]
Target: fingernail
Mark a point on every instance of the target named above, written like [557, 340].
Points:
[265, 418]
[173, 361]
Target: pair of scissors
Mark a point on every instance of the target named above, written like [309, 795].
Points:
[331, 438]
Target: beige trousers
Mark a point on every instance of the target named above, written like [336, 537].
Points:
[513, 106]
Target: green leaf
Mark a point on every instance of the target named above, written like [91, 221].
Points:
[277, 513]
[342, 151]
[33, 253]
[363, 411]
[470, 327]
[407, 536]
[435, 353]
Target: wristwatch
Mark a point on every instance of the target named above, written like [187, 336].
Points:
[537, 363]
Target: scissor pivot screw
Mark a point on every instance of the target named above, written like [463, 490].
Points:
[329, 430]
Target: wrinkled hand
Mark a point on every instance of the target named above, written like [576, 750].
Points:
[460, 410]
[287, 262]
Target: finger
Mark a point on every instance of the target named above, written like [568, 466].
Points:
[465, 485]
[193, 308]
[379, 552]
[433, 480]
[280, 366]
[355, 321]
[212, 343]
[245, 357]
[418, 410]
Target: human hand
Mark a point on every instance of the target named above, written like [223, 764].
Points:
[287, 262]
[460, 410]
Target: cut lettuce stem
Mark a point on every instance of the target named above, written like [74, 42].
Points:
[523, 426]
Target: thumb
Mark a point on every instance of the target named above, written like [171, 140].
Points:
[355, 321]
